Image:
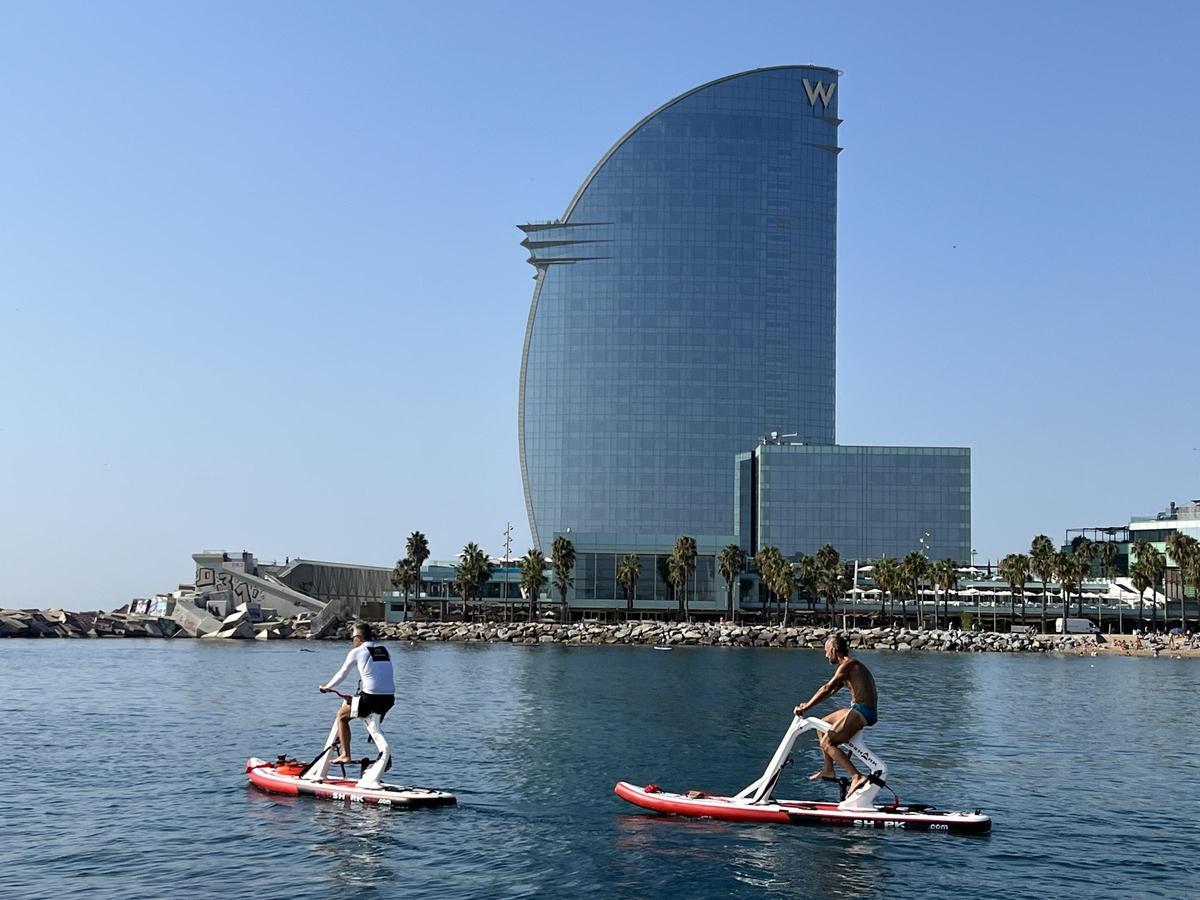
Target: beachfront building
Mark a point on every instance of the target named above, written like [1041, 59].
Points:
[1153, 530]
[1156, 529]
[685, 303]
[867, 502]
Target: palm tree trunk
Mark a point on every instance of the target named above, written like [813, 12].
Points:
[1043, 607]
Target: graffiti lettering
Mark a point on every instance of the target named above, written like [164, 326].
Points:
[244, 592]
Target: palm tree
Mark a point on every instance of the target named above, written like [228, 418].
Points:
[1072, 568]
[562, 560]
[1153, 566]
[1182, 548]
[1042, 558]
[785, 585]
[1137, 574]
[887, 577]
[1065, 566]
[913, 567]
[417, 548]
[1085, 549]
[1107, 553]
[943, 574]
[808, 578]
[1190, 569]
[405, 575]
[829, 575]
[677, 575]
[764, 562]
[730, 563]
[629, 571]
[777, 575]
[1014, 569]
[473, 571]
[685, 551]
[533, 578]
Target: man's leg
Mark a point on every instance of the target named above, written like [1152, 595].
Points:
[343, 726]
[851, 724]
[826, 772]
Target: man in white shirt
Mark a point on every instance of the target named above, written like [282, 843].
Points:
[377, 685]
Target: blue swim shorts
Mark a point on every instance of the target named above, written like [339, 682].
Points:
[867, 712]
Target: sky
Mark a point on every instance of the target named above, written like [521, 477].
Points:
[261, 284]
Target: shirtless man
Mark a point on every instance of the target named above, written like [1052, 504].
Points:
[846, 722]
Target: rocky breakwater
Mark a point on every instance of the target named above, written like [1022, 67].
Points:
[670, 634]
[57, 623]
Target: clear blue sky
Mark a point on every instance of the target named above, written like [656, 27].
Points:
[260, 284]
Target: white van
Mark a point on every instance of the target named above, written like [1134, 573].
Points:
[1076, 626]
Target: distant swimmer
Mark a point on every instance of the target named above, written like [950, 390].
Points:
[846, 722]
[377, 686]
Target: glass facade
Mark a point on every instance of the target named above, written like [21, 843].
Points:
[684, 305]
[867, 502]
[597, 557]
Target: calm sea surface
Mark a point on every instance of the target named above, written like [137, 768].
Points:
[126, 774]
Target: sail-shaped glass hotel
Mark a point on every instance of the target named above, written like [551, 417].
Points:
[684, 306]
[684, 303]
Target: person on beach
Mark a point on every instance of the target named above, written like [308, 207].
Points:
[377, 686]
[846, 722]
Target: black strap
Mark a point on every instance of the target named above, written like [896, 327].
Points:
[304, 771]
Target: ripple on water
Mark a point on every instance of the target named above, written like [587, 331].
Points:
[1081, 762]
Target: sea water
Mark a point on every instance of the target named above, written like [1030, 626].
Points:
[125, 773]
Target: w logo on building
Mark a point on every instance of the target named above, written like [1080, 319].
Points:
[823, 91]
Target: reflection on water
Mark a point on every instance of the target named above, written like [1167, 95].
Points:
[1079, 760]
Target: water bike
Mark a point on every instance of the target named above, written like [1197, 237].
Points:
[285, 775]
[856, 810]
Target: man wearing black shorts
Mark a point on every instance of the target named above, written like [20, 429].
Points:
[377, 685]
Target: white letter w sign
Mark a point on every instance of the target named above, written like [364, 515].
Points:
[824, 91]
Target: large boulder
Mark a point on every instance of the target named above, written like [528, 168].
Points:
[10, 626]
